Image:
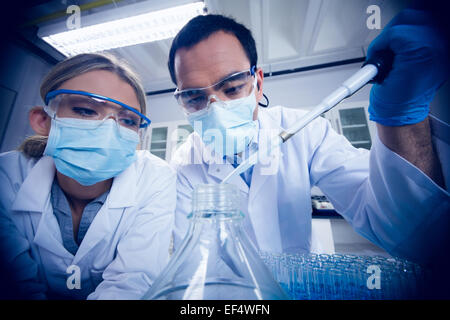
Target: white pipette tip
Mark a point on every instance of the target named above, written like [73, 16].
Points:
[245, 165]
[252, 159]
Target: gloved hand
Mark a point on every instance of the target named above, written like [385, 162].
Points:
[419, 68]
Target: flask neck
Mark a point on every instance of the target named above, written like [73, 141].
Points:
[220, 201]
[217, 215]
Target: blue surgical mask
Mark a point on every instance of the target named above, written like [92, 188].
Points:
[227, 127]
[90, 151]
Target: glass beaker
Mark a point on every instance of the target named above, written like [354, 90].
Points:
[216, 260]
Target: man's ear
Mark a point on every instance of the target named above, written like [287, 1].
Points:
[39, 121]
[259, 84]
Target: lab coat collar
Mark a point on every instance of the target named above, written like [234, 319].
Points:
[35, 190]
[48, 234]
[124, 188]
[34, 196]
[122, 195]
[220, 171]
[101, 228]
[269, 125]
[218, 167]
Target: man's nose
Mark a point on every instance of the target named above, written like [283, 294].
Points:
[213, 98]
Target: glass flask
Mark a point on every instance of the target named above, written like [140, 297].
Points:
[216, 260]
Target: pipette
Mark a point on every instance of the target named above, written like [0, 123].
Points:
[373, 70]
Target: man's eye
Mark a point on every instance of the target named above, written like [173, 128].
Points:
[235, 90]
[85, 112]
[196, 100]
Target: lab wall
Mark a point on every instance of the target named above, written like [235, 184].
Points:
[21, 72]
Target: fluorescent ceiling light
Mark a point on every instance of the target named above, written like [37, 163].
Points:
[142, 28]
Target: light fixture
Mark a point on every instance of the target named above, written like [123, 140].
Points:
[132, 30]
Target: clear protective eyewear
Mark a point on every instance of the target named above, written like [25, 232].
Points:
[234, 86]
[75, 104]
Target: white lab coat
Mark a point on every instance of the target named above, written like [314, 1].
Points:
[125, 247]
[385, 198]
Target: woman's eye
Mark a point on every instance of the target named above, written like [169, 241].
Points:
[85, 112]
[129, 122]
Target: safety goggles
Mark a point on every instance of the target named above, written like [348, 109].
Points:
[75, 104]
[235, 86]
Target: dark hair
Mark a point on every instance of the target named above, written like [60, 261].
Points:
[201, 27]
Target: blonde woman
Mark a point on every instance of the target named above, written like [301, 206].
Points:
[83, 214]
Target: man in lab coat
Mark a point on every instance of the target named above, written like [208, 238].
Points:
[395, 195]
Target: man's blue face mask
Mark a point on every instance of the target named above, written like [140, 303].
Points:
[227, 127]
[90, 151]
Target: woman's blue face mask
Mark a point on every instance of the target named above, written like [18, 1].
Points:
[90, 151]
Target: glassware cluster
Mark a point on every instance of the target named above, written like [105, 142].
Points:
[348, 277]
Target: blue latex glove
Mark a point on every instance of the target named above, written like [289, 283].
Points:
[419, 68]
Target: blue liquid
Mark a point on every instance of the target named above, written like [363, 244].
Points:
[345, 277]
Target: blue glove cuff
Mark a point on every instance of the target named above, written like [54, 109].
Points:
[394, 114]
[400, 120]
